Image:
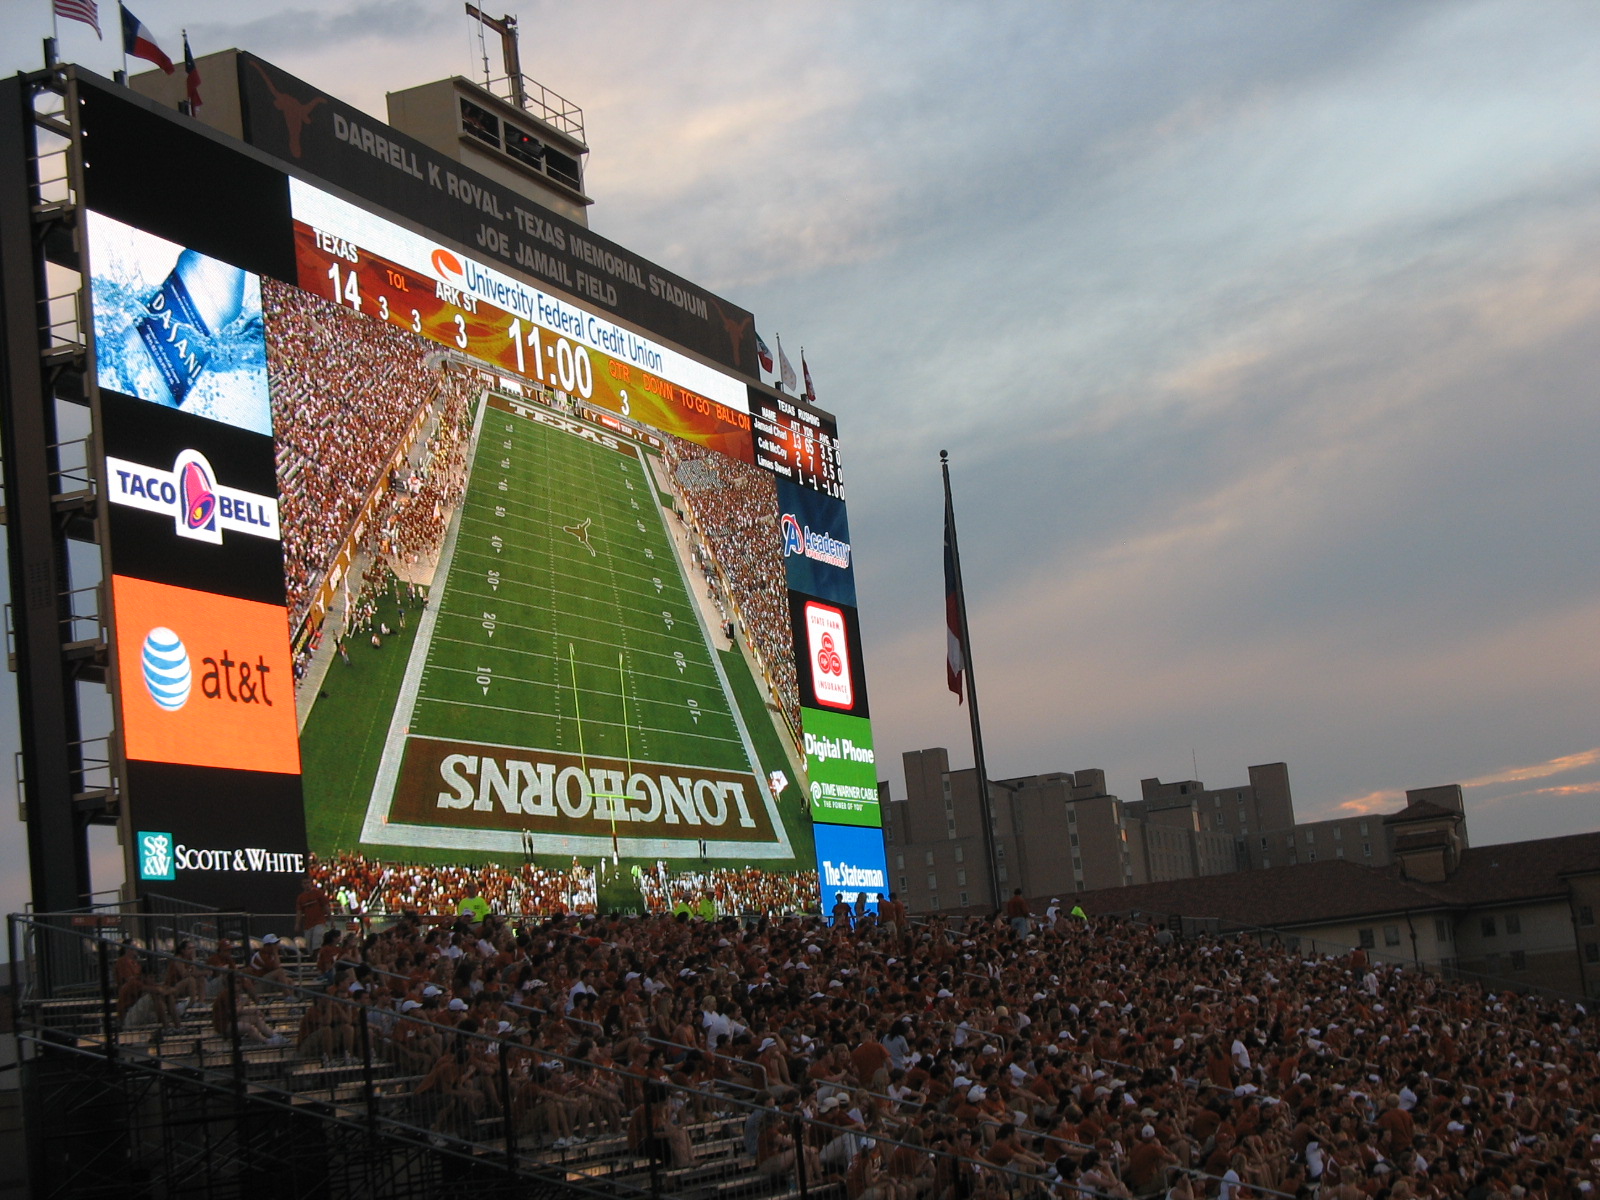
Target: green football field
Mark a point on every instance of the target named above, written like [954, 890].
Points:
[565, 623]
[560, 622]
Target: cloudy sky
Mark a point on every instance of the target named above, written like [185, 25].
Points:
[1263, 337]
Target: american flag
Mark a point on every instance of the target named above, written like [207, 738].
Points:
[955, 663]
[86, 11]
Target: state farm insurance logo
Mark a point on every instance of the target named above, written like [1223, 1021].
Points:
[201, 508]
[829, 651]
[156, 860]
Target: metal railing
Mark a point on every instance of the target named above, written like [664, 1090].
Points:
[539, 101]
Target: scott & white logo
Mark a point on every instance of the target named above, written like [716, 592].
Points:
[155, 856]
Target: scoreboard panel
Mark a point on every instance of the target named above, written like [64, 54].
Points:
[564, 603]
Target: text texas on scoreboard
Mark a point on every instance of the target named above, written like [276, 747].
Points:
[430, 551]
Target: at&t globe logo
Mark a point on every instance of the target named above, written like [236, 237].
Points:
[167, 673]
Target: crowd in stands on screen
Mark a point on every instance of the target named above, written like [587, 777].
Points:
[531, 889]
[735, 511]
[1088, 1057]
[346, 390]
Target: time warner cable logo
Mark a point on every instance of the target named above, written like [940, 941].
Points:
[201, 508]
[820, 547]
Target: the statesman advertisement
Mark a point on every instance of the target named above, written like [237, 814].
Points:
[483, 569]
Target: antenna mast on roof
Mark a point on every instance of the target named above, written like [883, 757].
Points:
[506, 27]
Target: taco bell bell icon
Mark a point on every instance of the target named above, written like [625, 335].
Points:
[166, 349]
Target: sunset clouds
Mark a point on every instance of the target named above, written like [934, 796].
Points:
[1262, 337]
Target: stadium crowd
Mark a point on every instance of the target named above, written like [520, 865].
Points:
[1073, 1060]
[345, 389]
[734, 508]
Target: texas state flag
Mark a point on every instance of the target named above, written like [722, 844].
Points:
[137, 42]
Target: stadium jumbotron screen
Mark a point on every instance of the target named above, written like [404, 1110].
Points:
[540, 600]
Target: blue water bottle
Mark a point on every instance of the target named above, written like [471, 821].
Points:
[165, 350]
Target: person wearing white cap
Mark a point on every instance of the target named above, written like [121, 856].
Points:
[1148, 1162]
[265, 963]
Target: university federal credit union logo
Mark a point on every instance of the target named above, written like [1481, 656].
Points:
[156, 859]
[201, 508]
[206, 680]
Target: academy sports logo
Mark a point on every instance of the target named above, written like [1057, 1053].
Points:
[167, 673]
[156, 860]
[201, 508]
[819, 547]
[830, 655]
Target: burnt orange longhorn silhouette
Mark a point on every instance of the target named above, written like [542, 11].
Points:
[296, 113]
[735, 329]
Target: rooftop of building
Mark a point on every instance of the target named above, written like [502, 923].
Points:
[1338, 889]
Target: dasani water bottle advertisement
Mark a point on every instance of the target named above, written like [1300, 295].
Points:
[177, 327]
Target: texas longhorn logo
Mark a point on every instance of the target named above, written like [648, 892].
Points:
[296, 112]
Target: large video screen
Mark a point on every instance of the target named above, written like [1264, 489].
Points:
[551, 619]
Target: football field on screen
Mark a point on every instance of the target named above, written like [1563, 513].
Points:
[565, 573]
[561, 643]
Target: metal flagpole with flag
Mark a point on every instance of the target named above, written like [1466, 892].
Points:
[192, 76]
[764, 355]
[958, 664]
[786, 376]
[811, 392]
[140, 43]
[87, 11]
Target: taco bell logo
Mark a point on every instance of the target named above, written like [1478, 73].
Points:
[819, 547]
[201, 508]
[199, 496]
[156, 859]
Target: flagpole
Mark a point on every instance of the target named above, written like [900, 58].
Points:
[986, 812]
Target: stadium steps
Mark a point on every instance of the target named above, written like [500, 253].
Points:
[337, 1091]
